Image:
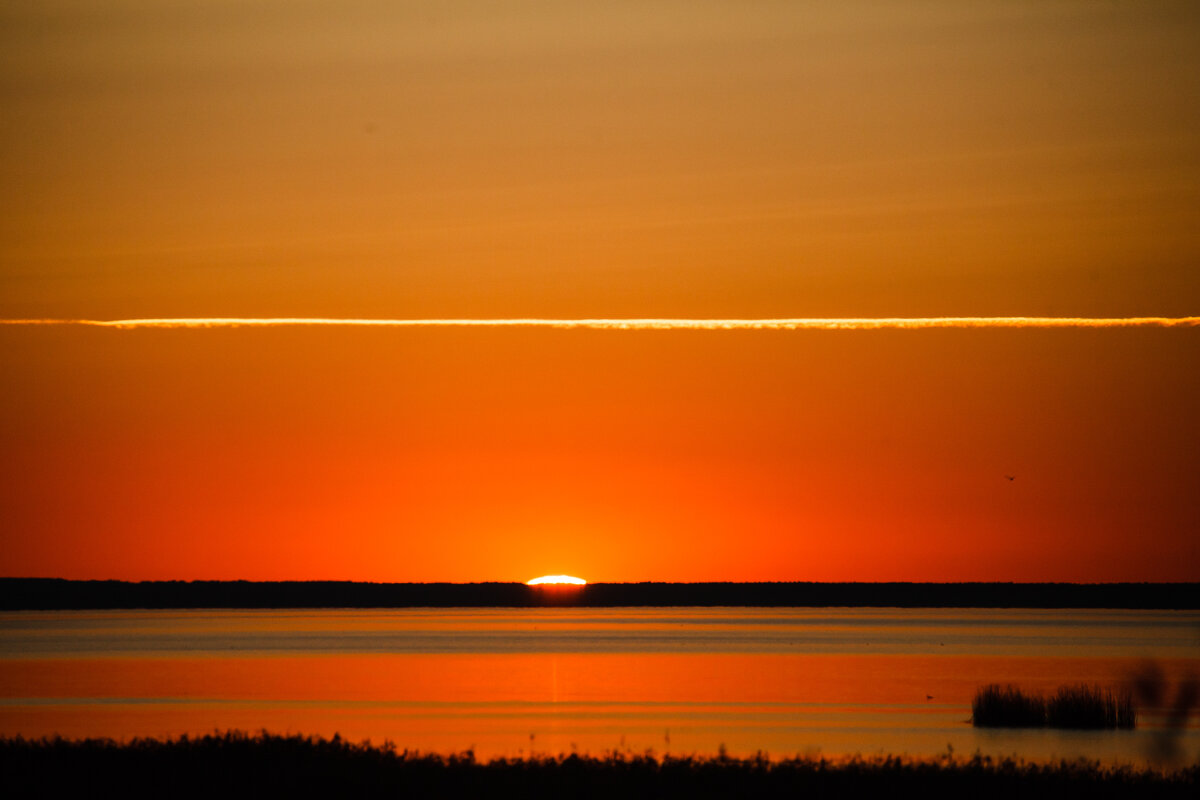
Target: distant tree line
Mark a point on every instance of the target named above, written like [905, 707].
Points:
[54, 593]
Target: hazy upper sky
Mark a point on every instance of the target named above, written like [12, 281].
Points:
[171, 158]
[177, 158]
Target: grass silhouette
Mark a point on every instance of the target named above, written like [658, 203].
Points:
[234, 764]
[1079, 706]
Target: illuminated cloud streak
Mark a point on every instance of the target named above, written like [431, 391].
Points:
[849, 323]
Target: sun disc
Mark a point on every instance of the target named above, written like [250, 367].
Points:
[557, 579]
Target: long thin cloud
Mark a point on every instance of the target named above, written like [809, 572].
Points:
[796, 324]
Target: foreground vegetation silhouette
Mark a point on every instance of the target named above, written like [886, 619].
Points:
[1080, 706]
[236, 764]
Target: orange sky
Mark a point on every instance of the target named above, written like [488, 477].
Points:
[548, 159]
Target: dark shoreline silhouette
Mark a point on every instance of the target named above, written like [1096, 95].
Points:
[59, 594]
[267, 765]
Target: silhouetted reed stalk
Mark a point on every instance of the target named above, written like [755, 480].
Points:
[1079, 706]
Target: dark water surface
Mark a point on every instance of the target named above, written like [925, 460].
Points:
[507, 681]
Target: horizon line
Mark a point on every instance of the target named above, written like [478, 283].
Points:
[646, 323]
[636, 582]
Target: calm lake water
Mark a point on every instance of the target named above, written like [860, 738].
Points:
[508, 681]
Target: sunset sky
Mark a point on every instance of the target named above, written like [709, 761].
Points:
[371, 159]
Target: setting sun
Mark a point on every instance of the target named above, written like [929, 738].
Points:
[557, 579]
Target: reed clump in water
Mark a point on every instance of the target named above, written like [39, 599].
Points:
[998, 706]
[1085, 706]
[1078, 706]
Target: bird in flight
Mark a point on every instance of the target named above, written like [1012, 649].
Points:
[1011, 477]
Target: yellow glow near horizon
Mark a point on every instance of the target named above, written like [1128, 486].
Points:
[557, 579]
[815, 323]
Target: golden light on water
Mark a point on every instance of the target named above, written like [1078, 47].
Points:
[557, 580]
